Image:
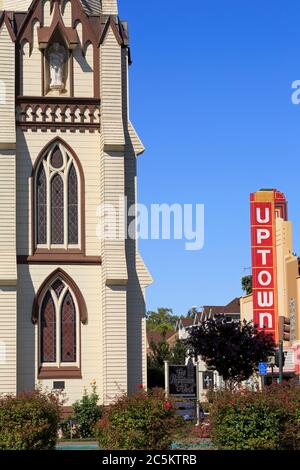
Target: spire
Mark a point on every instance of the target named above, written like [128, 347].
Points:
[110, 7]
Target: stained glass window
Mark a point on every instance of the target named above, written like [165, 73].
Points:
[72, 206]
[48, 330]
[57, 210]
[68, 330]
[56, 158]
[57, 219]
[41, 206]
[58, 287]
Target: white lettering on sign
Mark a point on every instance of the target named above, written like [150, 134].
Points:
[263, 323]
[263, 234]
[265, 299]
[267, 281]
[264, 254]
[259, 218]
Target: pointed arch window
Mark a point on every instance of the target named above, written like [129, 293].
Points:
[59, 310]
[57, 200]
[59, 326]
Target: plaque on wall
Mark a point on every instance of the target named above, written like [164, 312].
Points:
[182, 380]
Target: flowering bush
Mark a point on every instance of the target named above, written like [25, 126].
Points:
[144, 420]
[247, 420]
[86, 413]
[29, 421]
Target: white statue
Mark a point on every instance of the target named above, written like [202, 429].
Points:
[56, 56]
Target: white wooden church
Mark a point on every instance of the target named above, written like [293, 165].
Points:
[72, 303]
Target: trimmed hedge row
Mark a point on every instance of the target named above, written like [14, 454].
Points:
[266, 420]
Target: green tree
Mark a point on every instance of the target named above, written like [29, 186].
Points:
[161, 320]
[178, 352]
[234, 349]
[247, 284]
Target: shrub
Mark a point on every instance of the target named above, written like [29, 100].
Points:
[29, 421]
[144, 420]
[247, 420]
[87, 412]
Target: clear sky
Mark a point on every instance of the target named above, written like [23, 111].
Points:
[211, 100]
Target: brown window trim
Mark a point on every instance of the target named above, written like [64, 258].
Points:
[81, 220]
[56, 258]
[59, 373]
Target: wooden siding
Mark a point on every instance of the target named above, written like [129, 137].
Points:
[87, 148]
[8, 369]
[16, 5]
[111, 93]
[8, 273]
[7, 88]
[88, 279]
[110, 7]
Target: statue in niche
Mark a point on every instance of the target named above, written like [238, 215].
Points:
[56, 55]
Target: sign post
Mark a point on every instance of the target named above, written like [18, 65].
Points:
[167, 389]
[263, 369]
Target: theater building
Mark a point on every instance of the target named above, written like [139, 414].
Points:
[72, 302]
[274, 302]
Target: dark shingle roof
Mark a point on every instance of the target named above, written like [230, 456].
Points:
[92, 7]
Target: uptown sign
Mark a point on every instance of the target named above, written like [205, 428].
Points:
[263, 236]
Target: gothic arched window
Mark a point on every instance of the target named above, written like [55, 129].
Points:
[57, 200]
[59, 336]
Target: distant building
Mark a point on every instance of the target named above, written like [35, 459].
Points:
[231, 311]
[274, 303]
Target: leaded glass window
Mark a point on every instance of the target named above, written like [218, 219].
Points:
[48, 330]
[59, 333]
[57, 200]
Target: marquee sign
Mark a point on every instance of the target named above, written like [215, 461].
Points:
[263, 236]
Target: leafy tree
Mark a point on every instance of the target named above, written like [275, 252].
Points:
[247, 284]
[234, 349]
[161, 320]
[178, 352]
[192, 312]
[160, 352]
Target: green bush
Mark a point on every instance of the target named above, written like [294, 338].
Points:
[247, 420]
[86, 413]
[29, 421]
[144, 420]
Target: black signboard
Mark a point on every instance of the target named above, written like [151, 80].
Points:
[182, 380]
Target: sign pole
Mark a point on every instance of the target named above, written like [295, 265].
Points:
[280, 361]
[167, 389]
[198, 392]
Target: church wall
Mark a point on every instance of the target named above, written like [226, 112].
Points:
[83, 72]
[87, 148]
[109, 7]
[16, 5]
[7, 88]
[31, 67]
[88, 280]
[7, 339]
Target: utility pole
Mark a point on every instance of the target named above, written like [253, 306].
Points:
[280, 361]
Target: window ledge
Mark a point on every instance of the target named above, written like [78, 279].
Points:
[59, 373]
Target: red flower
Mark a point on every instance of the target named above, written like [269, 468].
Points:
[168, 405]
[140, 386]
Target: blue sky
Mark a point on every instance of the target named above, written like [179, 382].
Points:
[211, 100]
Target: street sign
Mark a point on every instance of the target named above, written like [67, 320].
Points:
[262, 368]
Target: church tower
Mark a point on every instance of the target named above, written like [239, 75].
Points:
[72, 300]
